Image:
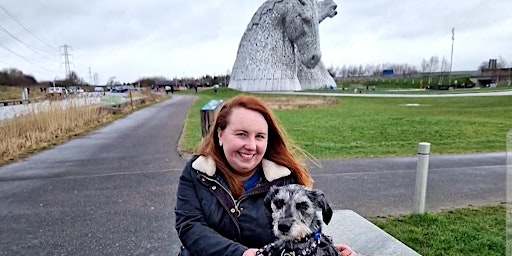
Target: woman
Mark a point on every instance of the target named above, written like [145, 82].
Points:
[219, 209]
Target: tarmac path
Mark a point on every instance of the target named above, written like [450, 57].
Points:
[112, 191]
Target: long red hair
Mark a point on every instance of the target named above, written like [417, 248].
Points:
[278, 147]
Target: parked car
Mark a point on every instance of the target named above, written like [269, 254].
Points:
[57, 90]
[98, 89]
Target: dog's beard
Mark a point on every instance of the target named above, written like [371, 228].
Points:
[297, 231]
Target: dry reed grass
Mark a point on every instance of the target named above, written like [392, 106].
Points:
[299, 102]
[52, 124]
[14, 92]
[9, 92]
[42, 128]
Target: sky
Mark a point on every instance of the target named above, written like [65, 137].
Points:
[132, 39]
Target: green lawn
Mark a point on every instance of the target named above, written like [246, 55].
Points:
[468, 231]
[373, 127]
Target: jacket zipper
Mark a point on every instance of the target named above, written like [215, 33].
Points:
[232, 198]
[235, 203]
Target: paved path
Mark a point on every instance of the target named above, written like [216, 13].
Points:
[386, 186]
[112, 192]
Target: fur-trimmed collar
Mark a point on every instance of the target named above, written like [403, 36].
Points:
[271, 170]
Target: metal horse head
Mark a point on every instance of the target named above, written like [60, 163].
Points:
[301, 28]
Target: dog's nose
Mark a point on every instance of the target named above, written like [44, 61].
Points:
[284, 225]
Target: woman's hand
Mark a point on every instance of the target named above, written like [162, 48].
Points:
[344, 250]
[250, 252]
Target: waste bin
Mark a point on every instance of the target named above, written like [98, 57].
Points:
[208, 113]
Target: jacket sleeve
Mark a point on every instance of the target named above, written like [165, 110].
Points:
[195, 235]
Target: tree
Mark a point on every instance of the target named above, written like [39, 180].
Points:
[72, 80]
[425, 66]
[433, 65]
[501, 62]
[15, 77]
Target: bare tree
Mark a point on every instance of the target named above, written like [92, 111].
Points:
[434, 65]
[425, 66]
[501, 62]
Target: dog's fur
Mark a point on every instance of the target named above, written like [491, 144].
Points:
[295, 222]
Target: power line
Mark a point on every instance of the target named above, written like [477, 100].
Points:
[21, 56]
[26, 45]
[26, 29]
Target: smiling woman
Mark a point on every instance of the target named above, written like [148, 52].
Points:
[244, 140]
[221, 192]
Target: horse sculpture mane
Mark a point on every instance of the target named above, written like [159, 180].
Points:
[280, 49]
[262, 11]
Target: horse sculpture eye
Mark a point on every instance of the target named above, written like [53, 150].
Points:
[303, 2]
[306, 21]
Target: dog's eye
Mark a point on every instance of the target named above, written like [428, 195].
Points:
[303, 206]
[279, 203]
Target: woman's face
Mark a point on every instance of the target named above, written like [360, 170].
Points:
[244, 140]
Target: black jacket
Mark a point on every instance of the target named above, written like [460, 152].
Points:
[209, 221]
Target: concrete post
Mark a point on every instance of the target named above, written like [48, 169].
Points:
[24, 94]
[421, 177]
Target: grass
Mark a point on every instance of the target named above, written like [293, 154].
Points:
[372, 127]
[411, 82]
[14, 93]
[9, 92]
[401, 90]
[53, 124]
[467, 231]
[32, 132]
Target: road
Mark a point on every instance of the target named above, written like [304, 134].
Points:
[112, 191]
[386, 186]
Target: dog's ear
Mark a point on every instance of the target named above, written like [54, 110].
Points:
[321, 202]
[270, 195]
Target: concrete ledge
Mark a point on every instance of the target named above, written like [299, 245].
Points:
[365, 238]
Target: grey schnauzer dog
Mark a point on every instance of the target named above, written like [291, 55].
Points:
[295, 222]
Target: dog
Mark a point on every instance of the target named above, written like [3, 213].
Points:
[295, 222]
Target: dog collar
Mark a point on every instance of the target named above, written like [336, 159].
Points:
[315, 236]
[310, 246]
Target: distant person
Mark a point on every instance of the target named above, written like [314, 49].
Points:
[216, 88]
[167, 89]
[220, 198]
[195, 88]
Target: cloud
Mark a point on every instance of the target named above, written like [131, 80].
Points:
[173, 38]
